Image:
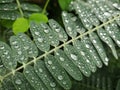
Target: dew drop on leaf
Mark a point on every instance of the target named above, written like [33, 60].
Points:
[74, 57]
[60, 77]
[52, 84]
[18, 81]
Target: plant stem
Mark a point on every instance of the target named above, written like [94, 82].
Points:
[19, 7]
[46, 4]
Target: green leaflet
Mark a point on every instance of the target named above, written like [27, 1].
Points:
[17, 46]
[38, 18]
[20, 82]
[98, 12]
[30, 7]
[9, 15]
[69, 66]
[78, 24]
[39, 37]
[8, 7]
[29, 45]
[99, 47]
[6, 1]
[64, 4]
[45, 76]
[6, 55]
[69, 26]
[77, 60]
[80, 10]
[87, 44]
[58, 30]
[113, 31]
[85, 56]
[105, 38]
[7, 83]
[52, 38]
[57, 72]
[33, 78]
[20, 25]
[3, 69]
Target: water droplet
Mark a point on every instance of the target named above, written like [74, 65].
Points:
[37, 33]
[118, 42]
[19, 52]
[49, 62]
[18, 81]
[52, 84]
[6, 52]
[57, 30]
[64, 82]
[46, 31]
[62, 59]
[74, 57]
[57, 54]
[15, 42]
[2, 47]
[40, 69]
[87, 46]
[26, 71]
[53, 67]
[40, 39]
[82, 53]
[60, 77]
[94, 41]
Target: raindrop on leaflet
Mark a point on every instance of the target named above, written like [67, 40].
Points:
[6, 52]
[40, 39]
[62, 59]
[74, 57]
[49, 62]
[52, 84]
[15, 42]
[57, 29]
[2, 47]
[40, 70]
[64, 82]
[60, 77]
[18, 81]
[46, 31]
[37, 33]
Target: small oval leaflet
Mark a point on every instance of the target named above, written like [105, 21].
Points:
[84, 55]
[33, 78]
[29, 45]
[18, 48]
[106, 38]
[69, 66]
[21, 82]
[6, 55]
[59, 31]
[45, 76]
[39, 37]
[99, 47]
[76, 59]
[58, 72]
[51, 36]
[69, 25]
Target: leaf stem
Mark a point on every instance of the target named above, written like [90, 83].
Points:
[19, 7]
[46, 4]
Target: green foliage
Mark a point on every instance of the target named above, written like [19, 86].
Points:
[38, 18]
[64, 4]
[20, 25]
[51, 57]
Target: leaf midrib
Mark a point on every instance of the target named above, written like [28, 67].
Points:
[62, 45]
